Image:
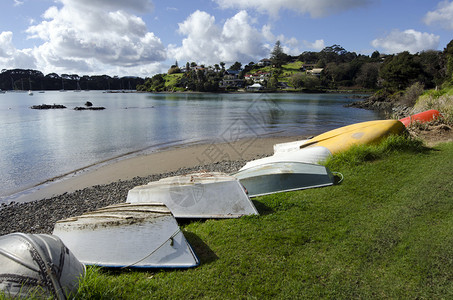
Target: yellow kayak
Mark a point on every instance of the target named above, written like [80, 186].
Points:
[363, 133]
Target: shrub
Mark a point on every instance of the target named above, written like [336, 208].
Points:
[440, 100]
[411, 94]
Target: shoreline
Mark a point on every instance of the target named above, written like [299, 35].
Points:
[163, 161]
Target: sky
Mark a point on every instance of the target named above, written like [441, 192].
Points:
[145, 37]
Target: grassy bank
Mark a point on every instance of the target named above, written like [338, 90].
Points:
[385, 232]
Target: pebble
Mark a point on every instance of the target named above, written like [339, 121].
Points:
[40, 216]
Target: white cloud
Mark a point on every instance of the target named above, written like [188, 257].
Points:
[18, 2]
[316, 8]
[443, 15]
[95, 36]
[408, 40]
[317, 45]
[208, 43]
[10, 57]
[291, 46]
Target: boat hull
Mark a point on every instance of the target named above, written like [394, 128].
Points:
[39, 265]
[128, 235]
[291, 152]
[364, 133]
[197, 195]
[283, 177]
[423, 117]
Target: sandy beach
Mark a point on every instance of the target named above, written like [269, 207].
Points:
[164, 161]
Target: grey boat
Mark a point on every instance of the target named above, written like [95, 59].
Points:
[38, 265]
[279, 177]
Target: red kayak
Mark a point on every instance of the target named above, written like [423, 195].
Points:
[422, 117]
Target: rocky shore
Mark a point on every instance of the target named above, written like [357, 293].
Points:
[40, 216]
[393, 110]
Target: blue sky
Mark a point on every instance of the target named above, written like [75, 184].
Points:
[145, 37]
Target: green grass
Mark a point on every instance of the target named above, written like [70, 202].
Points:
[292, 67]
[289, 70]
[385, 232]
[358, 154]
[172, 79]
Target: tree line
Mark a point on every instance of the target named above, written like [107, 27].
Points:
[26, 79]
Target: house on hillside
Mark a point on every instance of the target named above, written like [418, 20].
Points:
[231, 79]
[265, 62]
[307, 67]
[315, 71]
[258, 77]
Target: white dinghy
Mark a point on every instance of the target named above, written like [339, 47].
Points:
[291, 153]
[38, 265]
[283, 177]
[197, 195]
[137, 235]
[289, 146]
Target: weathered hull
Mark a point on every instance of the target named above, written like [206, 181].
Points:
[283, 177]
[128, 235]
[39, 265]
[197, 195]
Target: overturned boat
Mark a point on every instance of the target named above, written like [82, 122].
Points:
[38, 265]
[364, 133]
[422, 117]
[283, 177]
[291, 152]
[197, 195]
[139, 235]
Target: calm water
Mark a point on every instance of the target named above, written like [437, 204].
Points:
[37, 145]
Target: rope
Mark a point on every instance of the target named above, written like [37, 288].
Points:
[154, 251]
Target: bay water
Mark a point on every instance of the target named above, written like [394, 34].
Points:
[39, 145]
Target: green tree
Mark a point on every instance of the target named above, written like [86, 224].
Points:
[277, 55]
[236, 66]
[297, 80]
[448, 54]
[272, 83]
[400, 71]
[311, 82]
[375, 55]
[335, 54]
[433, 72]
[174, 69]
[368, 75]
[306, 81]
